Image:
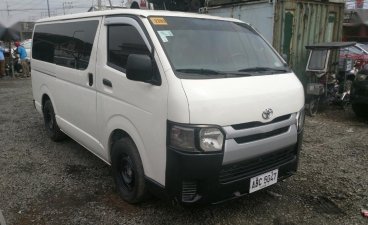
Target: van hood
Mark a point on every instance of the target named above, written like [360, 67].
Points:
[229, 101]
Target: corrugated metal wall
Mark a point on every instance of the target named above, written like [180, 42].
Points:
[259, 14]
[299, 23]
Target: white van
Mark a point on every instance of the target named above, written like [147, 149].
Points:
[191, 107]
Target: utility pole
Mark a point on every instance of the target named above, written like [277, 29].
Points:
[99, 6]
[110, 4]
[48, 7]
[7, 8]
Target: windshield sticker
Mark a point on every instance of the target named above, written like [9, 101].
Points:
[158, 20]
[164, 38]
[164, 34]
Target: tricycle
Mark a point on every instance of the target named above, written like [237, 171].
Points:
[330, 74]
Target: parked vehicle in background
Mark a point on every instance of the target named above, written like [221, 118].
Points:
[188, 106]
[358, 53]
[363, 47]
[359, 93]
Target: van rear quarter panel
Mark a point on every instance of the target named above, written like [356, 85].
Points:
[40, 81]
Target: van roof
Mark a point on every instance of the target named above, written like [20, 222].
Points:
[137, 12]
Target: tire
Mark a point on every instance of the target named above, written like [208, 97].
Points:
[52, 128]
[313, 107]
[360, 110]
[127, 171]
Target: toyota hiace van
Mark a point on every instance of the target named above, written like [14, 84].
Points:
[192, 107]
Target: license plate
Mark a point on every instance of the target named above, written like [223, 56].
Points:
[263, 180]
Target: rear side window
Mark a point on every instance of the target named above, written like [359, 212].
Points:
[122, 41]
[65, 44]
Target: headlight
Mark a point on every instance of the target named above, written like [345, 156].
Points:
[300, 116]
[195, 138]
[211, 139]
[360, 77]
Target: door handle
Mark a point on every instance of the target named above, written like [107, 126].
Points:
[107, 82]
[90, 79]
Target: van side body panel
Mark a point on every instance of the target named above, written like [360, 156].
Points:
[139, 109]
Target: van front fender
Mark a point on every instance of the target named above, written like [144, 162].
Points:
[119, 122]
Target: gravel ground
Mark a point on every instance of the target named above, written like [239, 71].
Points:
[43, 182]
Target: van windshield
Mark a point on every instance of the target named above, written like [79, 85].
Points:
[205, 48]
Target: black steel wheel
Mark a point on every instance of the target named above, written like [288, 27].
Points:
[127, 170]
[52, 128]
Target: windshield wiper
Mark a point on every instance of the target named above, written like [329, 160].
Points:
[264, 69]
[201, 71]
[210, 73]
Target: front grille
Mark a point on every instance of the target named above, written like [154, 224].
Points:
[247, 168]
[253, 124]
[255, 137]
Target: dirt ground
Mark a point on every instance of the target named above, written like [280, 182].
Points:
[43, 182]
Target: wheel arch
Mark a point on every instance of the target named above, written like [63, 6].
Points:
[46, 95]
[120, 127]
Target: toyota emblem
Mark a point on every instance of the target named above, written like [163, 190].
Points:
[267, 114]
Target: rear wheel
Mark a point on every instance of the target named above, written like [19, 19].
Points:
[128, 171]
[52, 128]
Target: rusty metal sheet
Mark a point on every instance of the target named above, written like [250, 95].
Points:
[312, 22]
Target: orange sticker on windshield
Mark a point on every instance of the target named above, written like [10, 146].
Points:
[158, 20]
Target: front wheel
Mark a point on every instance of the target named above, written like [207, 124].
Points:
[313, 106]
[127, 171]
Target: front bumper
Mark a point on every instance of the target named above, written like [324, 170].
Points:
[202, 178]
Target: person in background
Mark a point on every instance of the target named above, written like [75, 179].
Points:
[2, 61]
[23, 59]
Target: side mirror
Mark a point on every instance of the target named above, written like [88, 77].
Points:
[139, 68]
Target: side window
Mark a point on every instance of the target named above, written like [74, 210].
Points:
[65, 44]
[123, 40]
